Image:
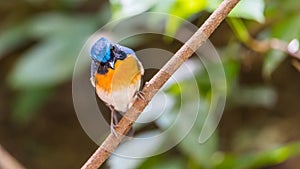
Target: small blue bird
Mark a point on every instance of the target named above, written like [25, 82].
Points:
[116, 74]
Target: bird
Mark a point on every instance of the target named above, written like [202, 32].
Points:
[116, 75]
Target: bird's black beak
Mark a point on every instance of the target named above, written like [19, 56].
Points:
[112, 62]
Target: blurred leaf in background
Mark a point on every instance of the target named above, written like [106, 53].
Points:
[246, 9]
[50, 61]
[259, 159]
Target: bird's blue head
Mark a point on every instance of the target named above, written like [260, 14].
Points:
[106, 53]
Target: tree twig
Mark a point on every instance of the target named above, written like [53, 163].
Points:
[151, 87]
[260, 46]
[7, 161]
[280, 45]
[264, 46]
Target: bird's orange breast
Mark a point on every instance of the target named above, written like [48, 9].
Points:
[126, 72]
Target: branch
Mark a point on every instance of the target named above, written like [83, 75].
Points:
[273, 43]
[151, 87]
[7, 161]
[262, 46]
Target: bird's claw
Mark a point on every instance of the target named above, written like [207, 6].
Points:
[113, 121]
[141, 95]
[112, 130]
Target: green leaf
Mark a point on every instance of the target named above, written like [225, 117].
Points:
[57, 24]
[44, 26]
[46, 64]
[286, 8]
[231, 68]
[247, 9]
[129, 8]
[165, 162]
[182, 9]
[287, 29]
[51, 61]
[250, 9]
[239, 29]
[272, 61]
[13, 37]
[262, 159]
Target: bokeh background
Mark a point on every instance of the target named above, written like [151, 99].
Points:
[41, 39]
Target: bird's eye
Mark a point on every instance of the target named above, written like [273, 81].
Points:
[113, 48]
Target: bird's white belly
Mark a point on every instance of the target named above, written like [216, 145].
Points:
[120, 99]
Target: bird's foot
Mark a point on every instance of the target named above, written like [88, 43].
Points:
[112, 130]
[141, 95]
[113, 121]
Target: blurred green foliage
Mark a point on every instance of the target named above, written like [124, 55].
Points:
[55, 38]
[54, 56]
[51, 60]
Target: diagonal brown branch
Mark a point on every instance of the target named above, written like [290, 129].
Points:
[7, 161]
[150, 89]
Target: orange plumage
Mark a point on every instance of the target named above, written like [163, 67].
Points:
[126, 72]
[118, 86]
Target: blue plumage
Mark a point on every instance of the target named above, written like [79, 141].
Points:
[101, 50]
[104, 51]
